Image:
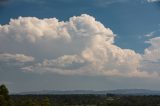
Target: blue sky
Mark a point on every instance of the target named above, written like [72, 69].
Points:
[128, 19]
[134, 24]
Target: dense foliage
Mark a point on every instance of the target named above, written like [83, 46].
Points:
[76, 100]
[4, 97]
[89, 100]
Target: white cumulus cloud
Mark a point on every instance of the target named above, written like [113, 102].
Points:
[151, 57]
[80, 46]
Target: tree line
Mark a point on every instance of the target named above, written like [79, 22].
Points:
[75, 100]
[7, 100]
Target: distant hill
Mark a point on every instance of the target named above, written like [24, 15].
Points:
[134, 92]
[64, 92]
[118, 92]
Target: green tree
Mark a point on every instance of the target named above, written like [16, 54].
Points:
[4, 96]
[46, 102]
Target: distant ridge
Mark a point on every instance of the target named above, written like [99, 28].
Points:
[117, 92]
[134, 92]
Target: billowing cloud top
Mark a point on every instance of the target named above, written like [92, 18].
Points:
[80, 46]
[33, 29]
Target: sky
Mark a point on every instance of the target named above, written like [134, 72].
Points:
[79, 44]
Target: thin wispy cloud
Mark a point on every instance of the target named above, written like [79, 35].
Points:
[104, 3]
[151, 34]
[153, 1]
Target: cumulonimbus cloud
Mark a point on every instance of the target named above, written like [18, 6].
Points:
[80, 46]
